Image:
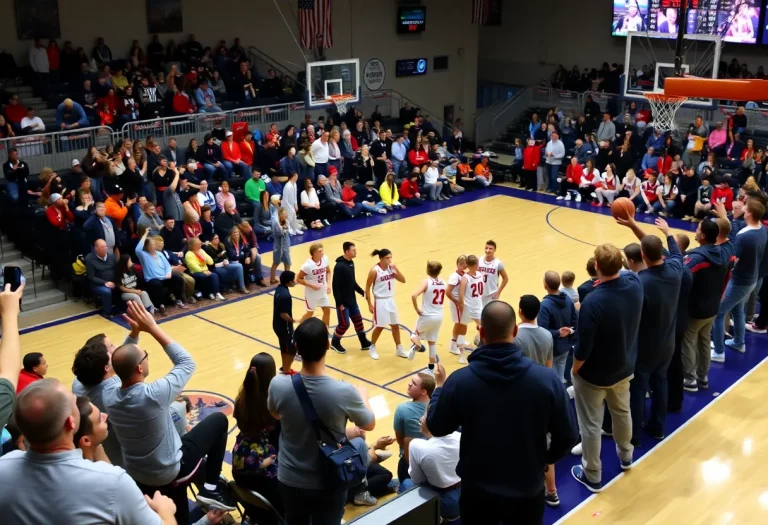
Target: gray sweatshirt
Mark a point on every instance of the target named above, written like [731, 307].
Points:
[141, 418]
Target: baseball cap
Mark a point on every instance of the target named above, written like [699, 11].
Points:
[115, 190]
[369, 183]
[332, 170]
[75, 162]
[55, 197]
[228, 134]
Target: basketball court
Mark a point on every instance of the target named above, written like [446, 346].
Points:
[704, 473]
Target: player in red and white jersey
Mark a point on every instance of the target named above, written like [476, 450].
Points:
[491, 269]
[432, 292]
[380, 292]
[452, 294]
[470, 297]
[315, 275]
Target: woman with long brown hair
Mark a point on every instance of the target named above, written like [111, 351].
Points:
[254, 457]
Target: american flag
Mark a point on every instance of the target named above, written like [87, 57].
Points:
[315, 28]
[480, 12]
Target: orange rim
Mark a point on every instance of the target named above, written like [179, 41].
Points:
[722, 89]
[663, 97]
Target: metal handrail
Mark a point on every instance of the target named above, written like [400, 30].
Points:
[275, 64]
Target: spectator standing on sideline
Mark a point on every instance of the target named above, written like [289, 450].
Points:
[558, 315]
[502, 480]
[10, 349]
[537, 345]
[553, 155]
[603, 360]
[307, 498]
[344, 288]
[153, 453]
[661, 280]
[709, 265]
[749, 245]
[53, 483]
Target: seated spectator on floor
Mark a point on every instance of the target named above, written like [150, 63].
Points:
[48, 417]
[348, 205]
[206, 99]
[483, 174]
[254, 457]
[648, 193]
[433, 187]
[70, 115]
[390, 196]
[231, 274]
[327, 204]
[100, 270]
[153, 466]
[432, 462]
[408, 415]
[34, 368]
[58, 213]
[306, 496]
[230, 152]
[370, 199]
[128, 283]
[150, 220]
[158, 274]
[409, 190]
[198, 261]
[32, 124]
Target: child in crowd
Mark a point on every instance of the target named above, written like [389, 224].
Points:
[281, 253]
[703, 204]
[567, 279]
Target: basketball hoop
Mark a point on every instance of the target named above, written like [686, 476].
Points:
[341, 102]
[664, 108]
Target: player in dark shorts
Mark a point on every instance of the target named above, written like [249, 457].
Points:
[282, 320]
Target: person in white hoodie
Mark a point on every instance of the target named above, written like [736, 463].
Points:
[432, 186]
[38, 61]
[553, 154]
[290, 204]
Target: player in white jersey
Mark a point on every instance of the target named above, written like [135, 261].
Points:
[452, 294]
[470, 298]
[492, 268]
[432, 292]
[315, 275]
[380, 291]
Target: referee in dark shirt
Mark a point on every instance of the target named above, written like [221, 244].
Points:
[282, 320]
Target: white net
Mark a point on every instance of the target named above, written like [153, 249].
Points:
[341, 103]
[664, 108]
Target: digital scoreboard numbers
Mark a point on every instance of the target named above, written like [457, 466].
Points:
[411, 19]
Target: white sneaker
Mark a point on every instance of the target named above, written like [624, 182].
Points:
[454, 349]
[463, 359]
[220, 297]
[559, 180]
[567, 196]
[576, 451]
[717, 358]
[212, 297]
[412, 352]
[477, 340]
[430, 371]
[291, 231]
[712, 345]
[373, 353]
[401, 352]
[570, 391]
[578, 197]
[559, 198]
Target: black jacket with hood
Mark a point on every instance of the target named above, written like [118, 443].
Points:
[558, 311]
[505, 404]
[344, 284]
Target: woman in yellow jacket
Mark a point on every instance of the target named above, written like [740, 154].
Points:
[197, 261]
[389, 194]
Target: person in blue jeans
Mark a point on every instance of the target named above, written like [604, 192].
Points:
[100, 266]
[667, 193]
[749, 249]
[553, 156]
[16, 172]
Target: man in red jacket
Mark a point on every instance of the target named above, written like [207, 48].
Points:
[531, 160]
[230, 152]
[58, 212]
[35, 368]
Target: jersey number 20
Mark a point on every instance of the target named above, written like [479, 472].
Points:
[477, 289]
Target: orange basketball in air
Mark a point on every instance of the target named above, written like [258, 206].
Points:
[623, 208]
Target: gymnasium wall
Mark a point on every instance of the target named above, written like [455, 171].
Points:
[361, 28]
[533, 41]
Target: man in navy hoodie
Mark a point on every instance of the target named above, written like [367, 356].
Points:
[661, 281]
[502, 480]
[749, 245]
[709, 265]
[603, 362]
[558, 315]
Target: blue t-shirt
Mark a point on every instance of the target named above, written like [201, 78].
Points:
[408, 419]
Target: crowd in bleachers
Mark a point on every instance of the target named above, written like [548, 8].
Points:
[227, 188]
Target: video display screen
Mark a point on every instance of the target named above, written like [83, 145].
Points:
[737, 21]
